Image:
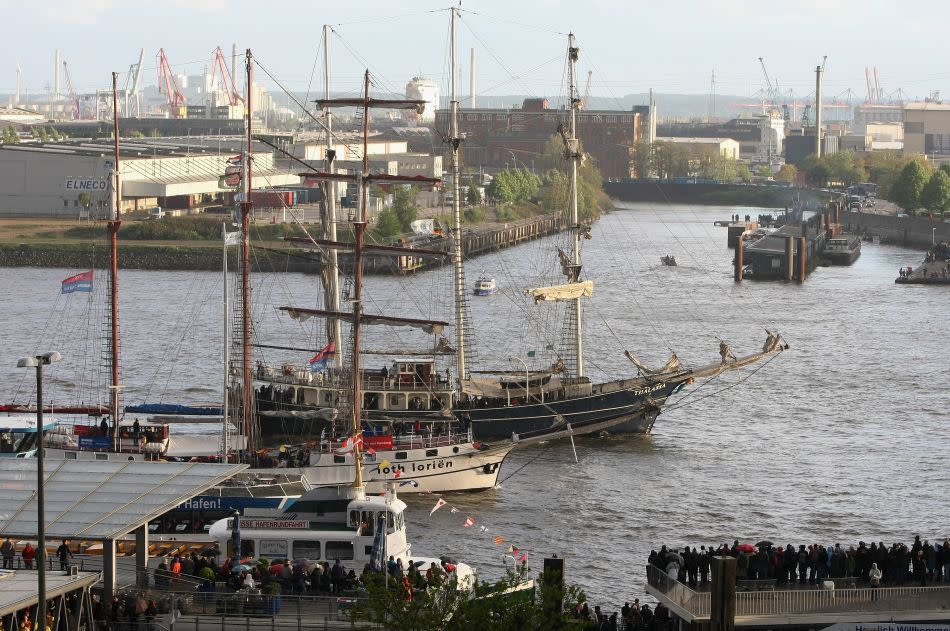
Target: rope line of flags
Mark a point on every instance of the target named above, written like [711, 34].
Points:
[520, 555]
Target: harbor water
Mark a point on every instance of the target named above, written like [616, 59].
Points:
[839, 439]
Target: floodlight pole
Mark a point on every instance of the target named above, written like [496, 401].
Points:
[38, 361]
[40, 502]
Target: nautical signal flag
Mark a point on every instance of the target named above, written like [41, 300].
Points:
[384, 464]
[499, 540]
[523, 557]
[79, 282]
[469, 522]
[454, 510]
[398, 473]
[437, 506]
[513, 550]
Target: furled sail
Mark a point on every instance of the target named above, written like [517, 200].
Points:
[433, 327]
[568, 291]
[672, 365]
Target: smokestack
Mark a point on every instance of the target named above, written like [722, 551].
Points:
[57, 65]
[16, 96]
[473, 79]
[651, 133]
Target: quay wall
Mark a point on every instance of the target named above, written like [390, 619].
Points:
[711, 193]
[914, 232]
[475, 241]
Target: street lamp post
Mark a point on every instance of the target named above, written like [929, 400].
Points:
[38, 361]
[933, 236]
[527, 376]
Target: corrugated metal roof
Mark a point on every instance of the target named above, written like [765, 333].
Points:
[99, 499]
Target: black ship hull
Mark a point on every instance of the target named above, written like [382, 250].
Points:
[635, 409]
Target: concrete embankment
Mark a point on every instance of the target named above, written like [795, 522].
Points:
[915, 232]
[155, 257]
[475, 240]
[709, 193]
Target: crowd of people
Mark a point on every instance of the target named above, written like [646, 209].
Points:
[922, 562]
[632, 617]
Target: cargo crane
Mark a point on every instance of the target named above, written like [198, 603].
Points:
[590, 73]
[72, 92]
[770, 93]
[169, 87]
[131, 89]
[218, 63]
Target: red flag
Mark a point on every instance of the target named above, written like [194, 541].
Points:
[523, 557]
[398, 472]
[469, 522]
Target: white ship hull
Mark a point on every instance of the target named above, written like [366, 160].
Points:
[468, 469]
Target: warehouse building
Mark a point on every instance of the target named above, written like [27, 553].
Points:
[72, 179]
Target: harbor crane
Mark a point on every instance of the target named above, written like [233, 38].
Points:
[590, 73]
[169, 87]
[131, 89]
[770, 93]
[72, 92]
[227, 82]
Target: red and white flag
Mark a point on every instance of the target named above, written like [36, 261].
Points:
[437, 506]
[523, 557]
[469, 522]
[350, 444]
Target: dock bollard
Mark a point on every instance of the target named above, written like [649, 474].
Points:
[802, 255]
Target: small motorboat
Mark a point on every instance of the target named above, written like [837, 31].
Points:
[485, 286]
[668, 260]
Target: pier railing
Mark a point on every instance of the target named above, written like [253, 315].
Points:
[802, 602]
[816, 601]
[695, 603]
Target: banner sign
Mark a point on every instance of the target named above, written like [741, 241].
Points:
[274, 524]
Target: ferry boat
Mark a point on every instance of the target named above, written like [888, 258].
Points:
[330, 525]
[843, 249]
[485, 286]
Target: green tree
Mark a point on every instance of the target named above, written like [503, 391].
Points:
[40, 134]
[945, 167]
[670, 160]
[84, 199]
[503, 188]
[505, 605]
[388, 224]
[404, 198]
[788, 173]
[474, 196]
[743, 173]
[935, 195]
[641, 155]
[909, 185]
[54, 134]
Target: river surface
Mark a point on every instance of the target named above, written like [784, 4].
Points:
[841, 438]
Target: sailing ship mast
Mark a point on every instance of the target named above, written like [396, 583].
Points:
[333, 273]
[574, 155]
[247, 390]
[455, 141]
[356, 317]
[114, 224]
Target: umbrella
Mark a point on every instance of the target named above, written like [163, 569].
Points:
[447, 559]
[419, 563]
[240, 567]
[673, 556]
[764, 544]
[745, 547]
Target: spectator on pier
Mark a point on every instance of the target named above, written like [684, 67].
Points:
[8, 551]
[704, 565]
[920, 569]
[28, 554]
[875, 575]
[64, 555]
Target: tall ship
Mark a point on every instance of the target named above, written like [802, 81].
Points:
[563, 395]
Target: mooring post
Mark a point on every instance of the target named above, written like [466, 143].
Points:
[802, 256]
[740, 250]
[722, 594]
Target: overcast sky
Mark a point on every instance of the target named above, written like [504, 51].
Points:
[631, 46]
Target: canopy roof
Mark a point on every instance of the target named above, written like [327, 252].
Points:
[18, 589]
[24, 423]
[99, 499]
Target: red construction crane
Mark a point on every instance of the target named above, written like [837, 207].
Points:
[72, 92]
[168, 86]
[218, 63]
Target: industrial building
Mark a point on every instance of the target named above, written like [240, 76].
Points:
[725, 147]
[510, 137]
[72, 179]
[927, 128]
[761, 138]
